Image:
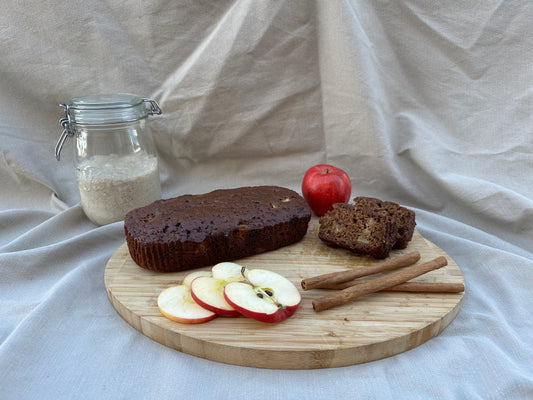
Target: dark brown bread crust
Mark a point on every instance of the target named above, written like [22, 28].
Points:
[404, 217]
[358, 229]
[193, 231]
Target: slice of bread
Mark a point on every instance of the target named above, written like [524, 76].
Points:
[359, 229]
[403, 217]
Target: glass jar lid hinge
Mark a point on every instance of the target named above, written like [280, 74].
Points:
[65, 123]
[154, 108]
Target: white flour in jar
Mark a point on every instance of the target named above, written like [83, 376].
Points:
[112, 185]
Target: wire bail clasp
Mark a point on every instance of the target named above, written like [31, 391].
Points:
[65, 123]
[154, 108]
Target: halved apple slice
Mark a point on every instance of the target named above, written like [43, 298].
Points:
[208, 291]
[265, 296]
[187, 280]
[227, 271]
[177, 304]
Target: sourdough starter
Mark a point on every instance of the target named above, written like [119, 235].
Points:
[112, 185]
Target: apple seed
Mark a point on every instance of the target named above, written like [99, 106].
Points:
[261, 294]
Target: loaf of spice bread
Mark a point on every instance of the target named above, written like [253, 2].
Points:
[369, 226]
[402, 216]
[192, 231]
[358, 229]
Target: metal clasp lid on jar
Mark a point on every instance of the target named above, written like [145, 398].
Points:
[103, 109]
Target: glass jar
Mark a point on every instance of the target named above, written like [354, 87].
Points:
[115, 156]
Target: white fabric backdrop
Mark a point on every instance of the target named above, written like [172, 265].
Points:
[424, 103]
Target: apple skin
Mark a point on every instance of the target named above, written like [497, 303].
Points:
[324, 185]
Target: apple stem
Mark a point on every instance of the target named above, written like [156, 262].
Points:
[325, 172]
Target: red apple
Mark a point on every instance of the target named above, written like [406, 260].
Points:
[324, 185]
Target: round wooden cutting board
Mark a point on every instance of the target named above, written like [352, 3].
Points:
[375, 326]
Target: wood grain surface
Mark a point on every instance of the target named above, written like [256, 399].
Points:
[375, 326]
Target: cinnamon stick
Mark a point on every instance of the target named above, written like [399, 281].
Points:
[428, 287]
[377, 284]
[323, 281]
